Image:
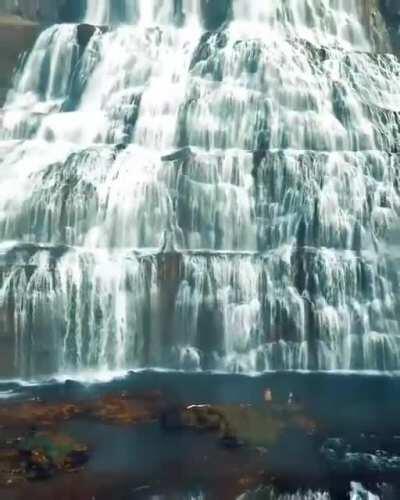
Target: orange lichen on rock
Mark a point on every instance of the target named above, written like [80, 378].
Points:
[37, 413]
[127, 409]
[117, 408]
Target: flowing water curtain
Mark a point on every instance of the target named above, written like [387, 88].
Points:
[230, 199]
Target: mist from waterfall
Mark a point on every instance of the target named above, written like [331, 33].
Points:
[177, 198]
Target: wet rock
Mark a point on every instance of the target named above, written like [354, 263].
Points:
[178, 155]
[85, 33]
[391, 13]
[240, 424]
[11, 470]
[45, 11]
[172, 419]
[120, 408]
[37, 413]
[16, 37]
[215, 13]
[44, 454]
[128, 409]
[203, 50]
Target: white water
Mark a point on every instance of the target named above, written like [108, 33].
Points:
[287, 259]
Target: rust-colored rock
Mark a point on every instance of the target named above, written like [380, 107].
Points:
[127, 409]
[37, 413]
[11, 470]
[115, 408]
[46, 453]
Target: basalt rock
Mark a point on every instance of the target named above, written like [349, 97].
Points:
[178, 155]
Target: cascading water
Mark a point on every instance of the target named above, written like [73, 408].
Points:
[227, 200]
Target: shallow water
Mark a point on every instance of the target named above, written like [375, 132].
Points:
[145, 462]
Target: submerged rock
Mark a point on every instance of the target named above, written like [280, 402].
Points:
[11, 470]
[45, 453]
[128, 409]
[116, 408]
[37, 413]
[40, 455]
[238, 425]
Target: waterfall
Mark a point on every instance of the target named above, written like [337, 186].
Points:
[187, 199]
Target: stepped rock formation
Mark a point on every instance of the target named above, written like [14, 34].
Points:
[193, 184]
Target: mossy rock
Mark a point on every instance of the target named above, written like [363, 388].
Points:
[253, 426]
[46, 453]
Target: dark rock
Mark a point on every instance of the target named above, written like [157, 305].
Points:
[45, 11]
[215, 13]
[128, 409]
[17, 36]
[85, 33]
[179, 155]
[11, 470]
[237, 425]
[46, 453]
[391, 13]
[203, 50]
[171, 420]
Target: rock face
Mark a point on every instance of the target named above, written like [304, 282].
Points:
[17, 36]
[44, 11]
[20, 23]
[264, 257]
[391, 13]
[215, 12]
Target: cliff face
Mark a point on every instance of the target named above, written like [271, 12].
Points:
[20, 23]
[44, 11]
[17, 35]
[391, 12]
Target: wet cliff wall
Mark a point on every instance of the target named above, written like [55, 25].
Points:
[20, 23]
[270, 224]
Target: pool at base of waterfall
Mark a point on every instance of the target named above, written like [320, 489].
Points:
[173, 436]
